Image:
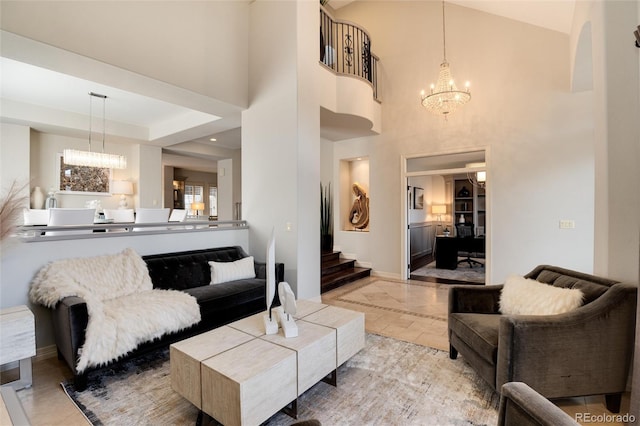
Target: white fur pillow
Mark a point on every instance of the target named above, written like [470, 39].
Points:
[222, 272]
[523, 296]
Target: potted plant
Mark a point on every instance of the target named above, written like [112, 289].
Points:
[326, 218]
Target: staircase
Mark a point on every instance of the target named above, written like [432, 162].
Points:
[337, 271]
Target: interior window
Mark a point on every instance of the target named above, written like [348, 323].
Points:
[193, 193]
[213, 201]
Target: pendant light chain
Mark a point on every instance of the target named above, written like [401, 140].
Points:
[95, 159]
[444, 97]
[90, 118]
[104, 120]
[444, 37]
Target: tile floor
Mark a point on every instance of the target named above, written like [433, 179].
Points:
[413, 311]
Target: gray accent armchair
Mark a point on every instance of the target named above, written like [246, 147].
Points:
[584, 352]
[522, 406]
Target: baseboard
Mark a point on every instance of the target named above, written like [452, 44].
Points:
[350, 256]
[387, 275]
[363, 264]
[46, 352]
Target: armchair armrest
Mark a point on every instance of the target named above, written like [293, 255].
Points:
[583, 352]
[70, 318]
[520, 405]
[475, 299]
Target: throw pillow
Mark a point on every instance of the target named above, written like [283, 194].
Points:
[222, 272]
[523, 296]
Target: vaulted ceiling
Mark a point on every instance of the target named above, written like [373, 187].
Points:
[146, 118]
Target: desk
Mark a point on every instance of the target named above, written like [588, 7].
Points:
[447, 249]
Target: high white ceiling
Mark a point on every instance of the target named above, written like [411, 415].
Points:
[555, 15]
[30, 90]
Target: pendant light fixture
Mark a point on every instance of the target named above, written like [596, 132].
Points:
[95, 159]
[444, 97]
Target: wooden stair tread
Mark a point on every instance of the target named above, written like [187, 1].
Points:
[341, 277]
[332, 266]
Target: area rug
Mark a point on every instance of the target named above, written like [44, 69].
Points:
[389, 382]
[462, 273]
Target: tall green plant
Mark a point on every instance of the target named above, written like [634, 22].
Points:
[326, 210]
[326, 218]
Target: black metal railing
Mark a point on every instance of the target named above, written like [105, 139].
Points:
[346, 49]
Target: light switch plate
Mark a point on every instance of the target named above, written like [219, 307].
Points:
[567, 224]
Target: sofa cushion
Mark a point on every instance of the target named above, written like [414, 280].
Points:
[212, 298]
[590, 290]
[188, 269]
[222, 272]
[479, 331]
[524, 296]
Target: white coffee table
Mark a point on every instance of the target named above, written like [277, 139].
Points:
[238, 375]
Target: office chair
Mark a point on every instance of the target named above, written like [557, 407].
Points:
[467, 244]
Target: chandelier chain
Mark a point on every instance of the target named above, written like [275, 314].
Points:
[444, 97]
[444, 37]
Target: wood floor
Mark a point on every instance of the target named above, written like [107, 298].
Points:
[411, 311]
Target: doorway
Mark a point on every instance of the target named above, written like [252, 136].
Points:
[442, 191]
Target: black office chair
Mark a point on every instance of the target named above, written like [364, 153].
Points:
[468, 245]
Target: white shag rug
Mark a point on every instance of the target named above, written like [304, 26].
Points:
[389, 382]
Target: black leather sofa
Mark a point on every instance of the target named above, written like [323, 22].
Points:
[187, 271]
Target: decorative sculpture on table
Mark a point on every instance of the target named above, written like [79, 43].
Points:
[359, 215]
[270, 323]
[289, 308]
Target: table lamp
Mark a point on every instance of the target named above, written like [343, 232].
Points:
[197, 206]
[124, 188]
[439, 210]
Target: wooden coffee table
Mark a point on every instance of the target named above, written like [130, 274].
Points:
[238, 375]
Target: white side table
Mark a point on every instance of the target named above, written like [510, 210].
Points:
[18, 342]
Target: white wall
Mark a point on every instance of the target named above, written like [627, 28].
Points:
[225, 189]
[14, 156]
[433, 194]
[280, 138]
[540, 135]
[148, 164]
[197, 45]
[635, 390]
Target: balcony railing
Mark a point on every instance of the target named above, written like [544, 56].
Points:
[346, 49]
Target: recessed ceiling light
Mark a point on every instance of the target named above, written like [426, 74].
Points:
[213, 139]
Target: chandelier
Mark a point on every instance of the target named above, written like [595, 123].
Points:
[95, 159]
[444, 97]
[478, 178]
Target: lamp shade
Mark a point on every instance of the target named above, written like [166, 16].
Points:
[121, 187]
[438, 209]
[197, 206]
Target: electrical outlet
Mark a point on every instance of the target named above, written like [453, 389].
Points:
[567, 224]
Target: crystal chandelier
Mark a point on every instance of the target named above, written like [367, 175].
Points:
[444, 96]
[478, 178]
[95, 159]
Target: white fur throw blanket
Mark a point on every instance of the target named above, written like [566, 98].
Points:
[124, 309]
